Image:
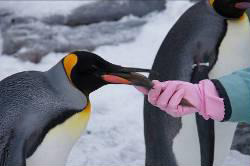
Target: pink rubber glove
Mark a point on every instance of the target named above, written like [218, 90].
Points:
[203, 96]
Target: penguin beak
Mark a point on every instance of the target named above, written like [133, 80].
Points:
[243, 5]
[125, 75]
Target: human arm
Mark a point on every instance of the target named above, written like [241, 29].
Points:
[235, 90]
[223, 99]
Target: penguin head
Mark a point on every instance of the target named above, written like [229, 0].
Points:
[232, 9]
[88, 72]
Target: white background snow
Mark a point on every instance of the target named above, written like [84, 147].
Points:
[116, 123]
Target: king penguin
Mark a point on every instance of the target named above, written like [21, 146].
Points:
[42, 114]
[211, 39]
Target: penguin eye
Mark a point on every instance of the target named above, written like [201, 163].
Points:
[94, 67]
[91, 69]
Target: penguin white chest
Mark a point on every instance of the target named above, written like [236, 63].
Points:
[57, 144]
[234, 51]
[234, 54]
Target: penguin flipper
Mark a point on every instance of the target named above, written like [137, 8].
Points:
[206, 131]
[14, 153]
[206, 135]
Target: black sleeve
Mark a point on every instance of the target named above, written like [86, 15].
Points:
[223, 94]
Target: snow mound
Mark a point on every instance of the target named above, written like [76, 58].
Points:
[237, 158]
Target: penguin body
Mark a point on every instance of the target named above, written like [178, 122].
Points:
[234, 48]
[42, 114]
[200, 36]
[40, 104]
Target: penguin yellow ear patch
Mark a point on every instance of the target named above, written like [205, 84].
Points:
[69, 62]
[211, 2]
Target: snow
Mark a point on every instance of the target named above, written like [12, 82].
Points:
[236, 158]
[115, 132]
[41, 8]
[1, 43]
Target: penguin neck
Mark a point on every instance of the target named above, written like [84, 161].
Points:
[61, 138]
[226, 10]
[234, 48]
[59, 80]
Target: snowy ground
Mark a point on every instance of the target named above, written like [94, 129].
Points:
[236, 158]
[116, 125]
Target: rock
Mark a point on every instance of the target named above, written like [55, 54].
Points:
[33, 39]
[241, 141]
[26, 34]
[4, 15]
[55, 20]
[112, 10]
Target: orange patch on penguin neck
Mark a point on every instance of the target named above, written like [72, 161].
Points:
[211, 2]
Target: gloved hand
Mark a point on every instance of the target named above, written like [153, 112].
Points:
[203, 97]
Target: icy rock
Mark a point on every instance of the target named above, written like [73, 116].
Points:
[4, 15]
[32, 39]
[112, 10]
[241, 140]
[56, 19]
